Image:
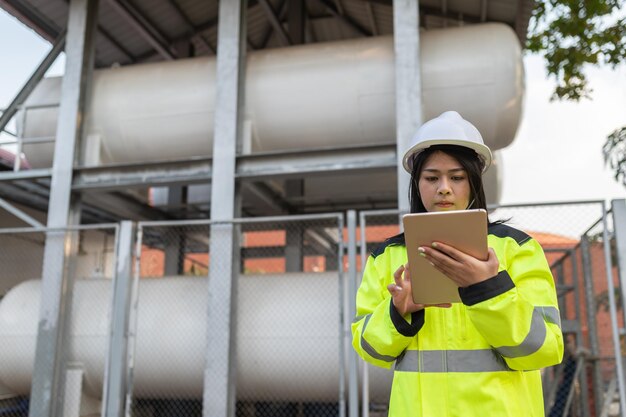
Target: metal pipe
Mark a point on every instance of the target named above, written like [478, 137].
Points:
[592, 330]
[353, 397]
[613, 311]
[342, 320]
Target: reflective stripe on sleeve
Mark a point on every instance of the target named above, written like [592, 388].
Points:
[369, 348]
[536, 335]
[482, 360]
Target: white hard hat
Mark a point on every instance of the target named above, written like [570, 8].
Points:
[447, 129]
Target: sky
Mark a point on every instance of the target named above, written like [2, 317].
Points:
[556, 155]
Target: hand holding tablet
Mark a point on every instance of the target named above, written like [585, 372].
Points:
[464, 230]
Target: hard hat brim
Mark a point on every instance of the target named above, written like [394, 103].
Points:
[482, 150]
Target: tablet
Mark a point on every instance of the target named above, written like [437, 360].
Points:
[466, 230]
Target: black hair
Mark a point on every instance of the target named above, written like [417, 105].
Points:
[471, 163]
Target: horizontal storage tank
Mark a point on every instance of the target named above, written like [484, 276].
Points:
[303, 97]
[287, 336]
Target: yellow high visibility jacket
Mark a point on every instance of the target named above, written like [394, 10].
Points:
[478, 358]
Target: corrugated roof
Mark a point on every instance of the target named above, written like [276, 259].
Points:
[175, 23]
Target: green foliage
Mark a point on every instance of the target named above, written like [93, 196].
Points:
[573, 33]
[614, 151]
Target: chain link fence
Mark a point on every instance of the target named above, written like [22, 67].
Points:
[287, 298]
[90, 266]
[572, 235]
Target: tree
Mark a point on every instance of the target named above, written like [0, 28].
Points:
[572, 34]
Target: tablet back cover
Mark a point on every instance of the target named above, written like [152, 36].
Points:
[464, 229]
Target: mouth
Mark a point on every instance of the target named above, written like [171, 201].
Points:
[444, 204]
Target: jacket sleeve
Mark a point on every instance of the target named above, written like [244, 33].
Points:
[516, 311]
[379, 332]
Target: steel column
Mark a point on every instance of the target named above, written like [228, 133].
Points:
[408, 85]
[219, 375]
[613, 312]
[56, 292]
[619, 225]
[116, 375]
[592, 329]
[353, 360]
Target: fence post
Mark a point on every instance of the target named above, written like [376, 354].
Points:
[353, 398]
[115, 375]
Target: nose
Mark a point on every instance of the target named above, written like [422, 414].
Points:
[444, 187]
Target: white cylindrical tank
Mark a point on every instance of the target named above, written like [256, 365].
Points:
[301, 97]
[287, 337]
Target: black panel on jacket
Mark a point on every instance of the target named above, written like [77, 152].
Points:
[395, 240]
[502, 230]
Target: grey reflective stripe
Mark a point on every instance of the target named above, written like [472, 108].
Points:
[483, 360]
[536, 335]
[551, 315]
[369, 349]
[358, 318]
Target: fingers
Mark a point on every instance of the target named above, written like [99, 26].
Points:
[397, 276]
[441, 257]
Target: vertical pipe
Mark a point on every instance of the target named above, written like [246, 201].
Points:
[219, 399]
[342, 320]
[365, 382]
[132, 323]
[56, 294]
[592, 330]
[619, 226]
[353, 397]
[613, 310]
[17, 162]
[584, 398]
[408, 85]
[115, 377]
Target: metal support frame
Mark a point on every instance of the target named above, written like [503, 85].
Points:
[353, 359]
[590, 302]
[408, 85]
[147, 30]
[619, 225]
[57, 277]
[115, 374]
[220, 369]
[275, 22]
[19, 213]
[344, 18]
[255, 167]
[296, 21]
[32, 82]
[613, 312]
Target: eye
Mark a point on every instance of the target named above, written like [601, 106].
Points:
[430, 178]
[458, 178]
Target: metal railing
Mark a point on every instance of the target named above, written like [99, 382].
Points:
[138, 338]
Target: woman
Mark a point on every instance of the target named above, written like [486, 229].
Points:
[480, 357]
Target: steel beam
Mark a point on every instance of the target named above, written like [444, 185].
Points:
[32, 18]
[190, 25]
[372, 19]
[252, 167]
[275, 22]
[19, 214]
[46, 398]
[345, 18]
[32, 82]
[145, 28]
[408, 85]
[296, 21]
[220, 367]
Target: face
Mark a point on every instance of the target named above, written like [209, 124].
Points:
[443, 184]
